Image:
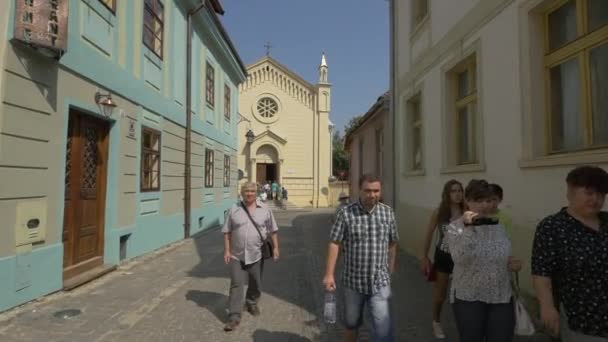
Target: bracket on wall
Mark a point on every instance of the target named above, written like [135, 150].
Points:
[242, 118]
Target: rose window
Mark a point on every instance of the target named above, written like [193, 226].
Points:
[267, 107]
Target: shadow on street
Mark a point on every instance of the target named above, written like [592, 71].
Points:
[277, 336]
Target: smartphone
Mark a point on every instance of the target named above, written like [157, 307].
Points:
[484, 221]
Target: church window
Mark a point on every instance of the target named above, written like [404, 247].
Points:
[267, 107]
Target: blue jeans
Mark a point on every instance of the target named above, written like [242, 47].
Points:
[379, 308]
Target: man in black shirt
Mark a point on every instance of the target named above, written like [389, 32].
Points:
[570, 259]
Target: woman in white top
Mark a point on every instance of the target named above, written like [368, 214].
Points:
[450, 208]
[481, 292]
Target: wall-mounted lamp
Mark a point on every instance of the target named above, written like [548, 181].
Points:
[105, 103]
[250, 136]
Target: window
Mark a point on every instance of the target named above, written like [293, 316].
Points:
[208, 168]
[576, 75]
[110, 4]
[414, 122]
[267, 107]
[150, 159]
[226, 102]
[210, 85]
[153, 26]
[226, 170]
[420, 10]
[463, 82]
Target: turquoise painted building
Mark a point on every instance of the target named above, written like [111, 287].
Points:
[93, 135]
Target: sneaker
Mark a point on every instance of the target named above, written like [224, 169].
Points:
[231, 325]
[438, 331]
[253, 309]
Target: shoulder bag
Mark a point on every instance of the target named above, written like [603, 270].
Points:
[523, 322]
[267, 246]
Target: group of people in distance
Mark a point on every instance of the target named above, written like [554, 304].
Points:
[271, 191]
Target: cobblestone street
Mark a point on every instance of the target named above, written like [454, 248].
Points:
[180, 294]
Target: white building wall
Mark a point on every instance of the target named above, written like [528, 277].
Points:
[502, 34]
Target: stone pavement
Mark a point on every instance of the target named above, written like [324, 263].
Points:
[179, 293]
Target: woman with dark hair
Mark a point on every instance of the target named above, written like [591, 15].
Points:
[570, 263]
[481, 291]
[450, 208]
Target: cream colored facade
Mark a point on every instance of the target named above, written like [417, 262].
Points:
[501, 45]
[370, 147]
[289, 118]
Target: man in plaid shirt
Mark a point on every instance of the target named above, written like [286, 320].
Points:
[367, 233]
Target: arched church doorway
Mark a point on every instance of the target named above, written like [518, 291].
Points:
[267, 164]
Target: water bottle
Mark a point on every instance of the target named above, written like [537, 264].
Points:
[329, 311]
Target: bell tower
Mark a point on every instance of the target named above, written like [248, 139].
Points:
[322, 136]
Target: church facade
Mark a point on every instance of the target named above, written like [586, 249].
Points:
[284, 131]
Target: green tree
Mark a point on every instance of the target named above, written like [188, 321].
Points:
[352, 124]
[340, 156]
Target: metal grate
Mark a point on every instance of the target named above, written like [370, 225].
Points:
[89, 170]
[68, 159]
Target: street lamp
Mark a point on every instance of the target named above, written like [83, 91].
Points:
[250, 136]
[105, 103]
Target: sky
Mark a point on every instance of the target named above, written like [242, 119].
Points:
[353, 33]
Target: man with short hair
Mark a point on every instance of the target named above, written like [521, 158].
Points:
[242, 251]
[367, 233]
[570, 261]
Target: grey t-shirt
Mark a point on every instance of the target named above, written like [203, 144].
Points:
[245, 242]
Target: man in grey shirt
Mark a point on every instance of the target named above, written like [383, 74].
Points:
[242, 251]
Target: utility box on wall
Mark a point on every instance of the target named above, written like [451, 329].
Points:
[30, 224]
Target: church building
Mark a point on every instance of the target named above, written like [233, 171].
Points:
[284, 131]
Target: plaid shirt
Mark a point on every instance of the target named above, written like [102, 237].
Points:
[365, 237]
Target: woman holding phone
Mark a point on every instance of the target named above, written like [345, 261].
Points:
[450, 208]
[481, 293]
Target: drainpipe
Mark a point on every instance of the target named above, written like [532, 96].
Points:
[392, 99]
[187, 169]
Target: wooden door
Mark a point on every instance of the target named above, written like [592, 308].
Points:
[261, 173]
[85, 188]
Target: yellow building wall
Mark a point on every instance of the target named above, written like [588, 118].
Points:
[290, 132]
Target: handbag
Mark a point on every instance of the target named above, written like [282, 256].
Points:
[523, 322]
[267, 246]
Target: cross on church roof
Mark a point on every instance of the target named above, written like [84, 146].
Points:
[267, 46]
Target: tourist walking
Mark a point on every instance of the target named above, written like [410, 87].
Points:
[570, 261]
[247, 226]
[275, 190]
[481, 292]
[450, 208]
[366, 233]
